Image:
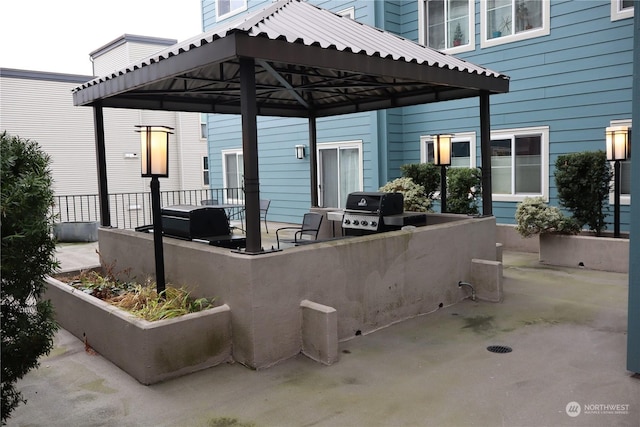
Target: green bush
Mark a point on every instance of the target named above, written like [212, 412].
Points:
[425, 174]
[27, 257]
[534, 216]
[583, 181]
[463, 190]
[415, 199]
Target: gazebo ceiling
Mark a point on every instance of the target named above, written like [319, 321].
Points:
[308, 62]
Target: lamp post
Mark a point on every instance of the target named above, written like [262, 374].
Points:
[617, 141]
[154, 156]
[442, 158]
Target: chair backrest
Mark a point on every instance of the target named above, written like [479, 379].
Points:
[311, 224]
[264, 206]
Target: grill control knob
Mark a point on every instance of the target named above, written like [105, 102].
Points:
[374, 224]
[347, 221]
[365, 223]
[356, 222]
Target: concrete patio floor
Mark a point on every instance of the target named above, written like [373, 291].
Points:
[567, 329]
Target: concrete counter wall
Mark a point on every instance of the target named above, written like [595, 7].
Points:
[372, 281]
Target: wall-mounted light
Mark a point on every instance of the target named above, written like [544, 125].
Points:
[442, 158]
[617, 145]
[300, 152]
[154, 158]
[154, 150]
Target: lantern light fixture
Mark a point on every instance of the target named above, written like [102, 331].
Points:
[154, 156]
[617, 147]
[154, 150]
[617, 140]
[442, 150]
[442, 158]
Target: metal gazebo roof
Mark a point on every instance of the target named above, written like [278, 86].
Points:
[308, 61]
[290, 59]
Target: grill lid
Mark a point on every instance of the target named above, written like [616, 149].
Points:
[377, 203]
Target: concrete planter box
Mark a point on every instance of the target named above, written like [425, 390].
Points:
[148, 351]
[596, 253]
[81, 231]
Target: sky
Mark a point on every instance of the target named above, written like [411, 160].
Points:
[57, 36]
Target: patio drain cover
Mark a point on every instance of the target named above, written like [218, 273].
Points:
[499, 349]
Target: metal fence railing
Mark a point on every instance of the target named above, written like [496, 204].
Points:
[131, 210]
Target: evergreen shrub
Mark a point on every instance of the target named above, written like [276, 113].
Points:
[27, 256]
[583, 181]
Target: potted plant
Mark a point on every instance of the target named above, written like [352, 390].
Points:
[457, 36]
[504, 27]
[522, 16]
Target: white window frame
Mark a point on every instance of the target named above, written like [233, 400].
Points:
[617, 13]
[342, 145]
[231, 12]
[207, 170]
[544, 158]
[625, 198]
[422, 29]
[457, 137]
[225, 184]
[523, 35]
[349, 12]
[204, 127]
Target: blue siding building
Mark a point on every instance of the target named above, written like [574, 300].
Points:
[570, 64]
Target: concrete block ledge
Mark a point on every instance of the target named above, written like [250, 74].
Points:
[319, 332]
[487, 279]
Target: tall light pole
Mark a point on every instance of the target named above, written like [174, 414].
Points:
[617, 142]
[442, 158]
[154, 156]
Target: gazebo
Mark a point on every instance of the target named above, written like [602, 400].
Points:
[290, 59]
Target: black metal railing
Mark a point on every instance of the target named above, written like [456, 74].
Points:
[131, 210]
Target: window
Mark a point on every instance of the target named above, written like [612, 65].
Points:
[447, 24]
[203, 126]
[621, 9]
[233, 175]
[519, 163]
[506, 21]
[205, 171]
[227, 8]
[625, 170]
[339, 172]
[463, 150]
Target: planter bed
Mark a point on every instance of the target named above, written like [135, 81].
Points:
[596, 253]
[148, 351]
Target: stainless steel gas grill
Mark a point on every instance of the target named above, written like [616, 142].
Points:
[369, 213]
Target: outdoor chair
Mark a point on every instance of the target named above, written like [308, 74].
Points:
[310, 227]
[264, 207]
